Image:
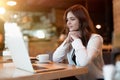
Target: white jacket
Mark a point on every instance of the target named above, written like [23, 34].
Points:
[90, 56]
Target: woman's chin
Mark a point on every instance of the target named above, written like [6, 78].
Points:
[71, 30]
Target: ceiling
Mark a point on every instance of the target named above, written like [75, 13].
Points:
[45, 5]
[94, 6]
[38, 5]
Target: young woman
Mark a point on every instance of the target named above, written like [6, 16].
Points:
[82, 46]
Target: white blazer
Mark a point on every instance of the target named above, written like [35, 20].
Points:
[90, 56]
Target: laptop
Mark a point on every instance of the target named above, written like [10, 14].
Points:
[19, 52]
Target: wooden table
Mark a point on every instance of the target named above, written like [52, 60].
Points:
[9, 72]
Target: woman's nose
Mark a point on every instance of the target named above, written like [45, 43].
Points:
[68, 23]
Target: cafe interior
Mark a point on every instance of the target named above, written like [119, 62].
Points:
[41, 23]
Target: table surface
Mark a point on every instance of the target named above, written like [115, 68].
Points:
[9, 72]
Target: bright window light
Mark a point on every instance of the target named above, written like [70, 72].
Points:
[40, 34]
[15, 16]
[2, 10]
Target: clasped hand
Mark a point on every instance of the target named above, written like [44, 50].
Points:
[72, 36]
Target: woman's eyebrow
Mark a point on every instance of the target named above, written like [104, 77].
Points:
[71, 17]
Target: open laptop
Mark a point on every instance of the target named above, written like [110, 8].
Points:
[19, 52]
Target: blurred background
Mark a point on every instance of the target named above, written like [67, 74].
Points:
[41, 21]
[36, 14]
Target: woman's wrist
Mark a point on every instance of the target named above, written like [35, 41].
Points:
[76, 43]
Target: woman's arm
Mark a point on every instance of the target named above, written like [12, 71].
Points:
[85, 54]
[61, 52]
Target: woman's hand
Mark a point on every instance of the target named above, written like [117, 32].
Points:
[69, 39]
[74, 35]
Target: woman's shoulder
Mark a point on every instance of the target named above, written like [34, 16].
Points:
[96, 39]
[96, 36]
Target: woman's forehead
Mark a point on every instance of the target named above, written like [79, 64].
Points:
[70, 15]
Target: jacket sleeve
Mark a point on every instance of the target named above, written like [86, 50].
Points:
[61, 52]
[84, 55]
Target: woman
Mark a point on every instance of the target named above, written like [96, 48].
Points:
[82, 46]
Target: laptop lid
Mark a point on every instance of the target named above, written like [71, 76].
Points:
[15, 43]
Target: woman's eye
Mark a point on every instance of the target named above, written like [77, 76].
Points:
[72, 19]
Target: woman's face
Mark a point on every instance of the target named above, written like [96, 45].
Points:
[72, 22]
